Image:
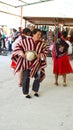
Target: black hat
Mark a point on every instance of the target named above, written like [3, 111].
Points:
[64, 34]
[26, 31]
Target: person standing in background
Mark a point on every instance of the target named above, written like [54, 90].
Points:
[2, 44]
[61, 63]
[26, 32]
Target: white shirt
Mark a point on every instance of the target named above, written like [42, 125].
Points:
[16, 42]
[70, 47]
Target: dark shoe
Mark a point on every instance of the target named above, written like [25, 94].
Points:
[36, 94]
[28, 96]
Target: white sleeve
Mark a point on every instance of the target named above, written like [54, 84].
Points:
[16, 42]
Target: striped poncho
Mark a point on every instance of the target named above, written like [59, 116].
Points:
[27, 44]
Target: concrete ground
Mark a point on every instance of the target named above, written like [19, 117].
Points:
[53, 110]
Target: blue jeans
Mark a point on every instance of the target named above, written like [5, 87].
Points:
[26, 82]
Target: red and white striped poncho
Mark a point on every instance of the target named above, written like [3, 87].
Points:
[25, 45]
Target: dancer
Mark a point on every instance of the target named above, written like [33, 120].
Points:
[61, 64]
[34, 68]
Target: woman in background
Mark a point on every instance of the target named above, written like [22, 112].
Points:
[61, 64]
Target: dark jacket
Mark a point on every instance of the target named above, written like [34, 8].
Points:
[61, 47]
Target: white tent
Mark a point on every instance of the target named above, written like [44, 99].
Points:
[10, 10]
[54, 8]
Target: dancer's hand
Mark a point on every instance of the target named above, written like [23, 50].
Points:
[40, 56]
[22, 54]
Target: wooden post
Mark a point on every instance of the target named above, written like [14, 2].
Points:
[21, 17]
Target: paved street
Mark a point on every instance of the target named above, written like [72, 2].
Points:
[53, 110]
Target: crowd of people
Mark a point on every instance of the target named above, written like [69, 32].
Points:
[6, 40]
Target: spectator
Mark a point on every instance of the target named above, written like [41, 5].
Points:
[61, 60]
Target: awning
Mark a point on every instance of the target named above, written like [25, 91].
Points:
[49, 20]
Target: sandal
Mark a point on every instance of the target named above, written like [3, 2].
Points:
[64, 84]
[56, 83]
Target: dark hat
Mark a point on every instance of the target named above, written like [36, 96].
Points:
[17, 34]
[26, 31]
[64, 34]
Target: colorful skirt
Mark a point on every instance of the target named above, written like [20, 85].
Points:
[62, 65]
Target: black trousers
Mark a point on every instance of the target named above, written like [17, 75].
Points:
[26, 82]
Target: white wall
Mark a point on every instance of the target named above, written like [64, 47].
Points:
[54, 8]
[10, 16]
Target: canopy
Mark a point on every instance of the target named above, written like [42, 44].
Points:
[50, 20]
[52, 12]
[41, 11]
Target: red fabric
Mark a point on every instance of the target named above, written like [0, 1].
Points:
[71, 39]
[62, 65]
[13, 65]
